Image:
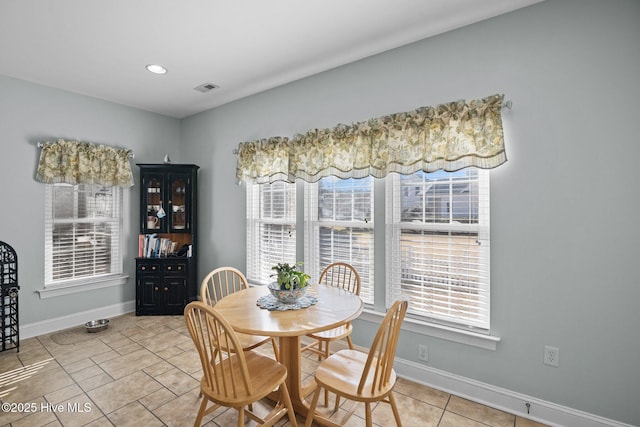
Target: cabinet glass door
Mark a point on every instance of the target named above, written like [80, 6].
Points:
[180, 202]
[153, 200]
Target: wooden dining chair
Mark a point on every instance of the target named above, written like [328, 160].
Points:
[233, 377]
[363, 377]
[345, 276]
[222, 282]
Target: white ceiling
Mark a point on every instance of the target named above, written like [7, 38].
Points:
[100, 47]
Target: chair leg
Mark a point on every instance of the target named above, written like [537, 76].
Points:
[241, 417]
[349, 342]
[320, 350]
[326, 392]
[284, 393]
[367, 413]
[276, 352]
[201, 411]
[312, 408]
[394, 408]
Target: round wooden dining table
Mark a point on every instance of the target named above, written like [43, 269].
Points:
[334, 307]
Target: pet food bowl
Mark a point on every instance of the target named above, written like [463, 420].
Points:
[97, 325]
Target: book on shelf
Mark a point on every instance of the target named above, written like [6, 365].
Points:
[152, 246]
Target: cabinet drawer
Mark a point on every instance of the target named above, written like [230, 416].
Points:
[174, 267]
[148, 267]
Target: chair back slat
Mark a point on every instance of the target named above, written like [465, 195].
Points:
[225, 369]
[220, 283]
[383, 349]
[342, 275]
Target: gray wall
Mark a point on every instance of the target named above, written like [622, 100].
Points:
[30, 113]
[564, 207]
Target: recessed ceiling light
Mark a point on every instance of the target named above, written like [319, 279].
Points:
[156, 69]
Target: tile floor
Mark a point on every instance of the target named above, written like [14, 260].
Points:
[144, 371]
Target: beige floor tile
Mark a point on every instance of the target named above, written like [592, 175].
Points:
[523, 422]
[188, 361]
[9, 361]
[177, 381]
[103, 357]
[157, 398]
[159, 368]
[134, 415]
[162, 341]
[169, 352]
[100, 422]
[95, 382]
[78, 365]
[450, 419]
[37, 384]
[129, 348]
[86, 373]
[480, 413]
[124, 345]
[28, 357]
[421, 392]
[64, 394]
[129, 363]
[69, 354]
[78, 411]
[182, 411]
[36, 419]
[16, 414]
[117, 394]
[412, 412]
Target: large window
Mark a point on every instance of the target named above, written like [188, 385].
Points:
[435, 233]
[340, 227]
[271, 228]
[83, 227]
[438, 245]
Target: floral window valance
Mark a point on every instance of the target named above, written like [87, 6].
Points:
[74, 162]
[449, 136]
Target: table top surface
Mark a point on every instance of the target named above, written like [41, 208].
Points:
[334, 307]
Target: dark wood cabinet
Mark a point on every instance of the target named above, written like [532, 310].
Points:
[166, 264]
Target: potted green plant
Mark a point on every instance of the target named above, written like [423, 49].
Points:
[291, 282]
[291, 276]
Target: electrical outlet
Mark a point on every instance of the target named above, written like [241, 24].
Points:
[423, 352]
[551, 356]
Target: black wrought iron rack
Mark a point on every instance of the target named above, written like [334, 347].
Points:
[9, 298]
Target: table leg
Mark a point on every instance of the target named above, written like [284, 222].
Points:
[291, 357]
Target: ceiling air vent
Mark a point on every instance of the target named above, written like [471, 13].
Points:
[206, 87]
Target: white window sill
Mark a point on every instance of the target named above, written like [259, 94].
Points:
[82, 285]
[487, 342]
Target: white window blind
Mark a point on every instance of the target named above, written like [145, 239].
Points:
[438, 245]
[83, 225]
[271, 228]
[339, 228]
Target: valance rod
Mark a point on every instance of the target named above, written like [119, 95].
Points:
[131, 156]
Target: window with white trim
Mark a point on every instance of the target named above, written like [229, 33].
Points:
[438, 245]
[271, 228]
[339, 228]
[83, 229]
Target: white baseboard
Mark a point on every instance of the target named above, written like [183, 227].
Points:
[496, 397]
[76, 319]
